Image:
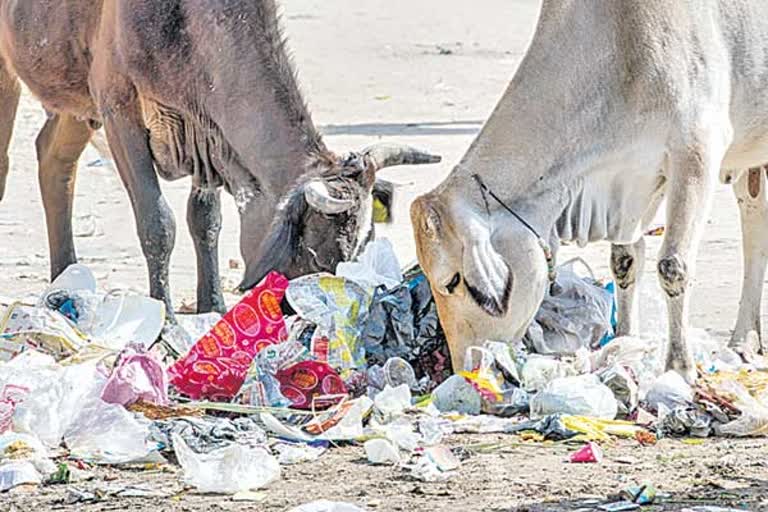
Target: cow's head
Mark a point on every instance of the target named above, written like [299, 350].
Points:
[328, 216]
[488, 273]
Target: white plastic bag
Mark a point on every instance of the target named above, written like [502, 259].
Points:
[671, 390]
[393, 401]
[56, 394]
[228, 470]
[296, 453]
[376, 266]
[108, 434]
[381, 451]
[583, 395]
[112, 320]
[541, 370]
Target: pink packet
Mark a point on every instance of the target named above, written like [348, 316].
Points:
[216, 366]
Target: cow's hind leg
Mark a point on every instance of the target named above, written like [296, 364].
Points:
[692, 173]
[753, 207]
[204, 221]
[10, 92]
[59, 145]
[627, 262]
[129, 143]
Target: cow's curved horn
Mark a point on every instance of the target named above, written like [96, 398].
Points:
[389, 154]
[317, 195]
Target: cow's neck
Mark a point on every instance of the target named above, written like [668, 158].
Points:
[568, 171]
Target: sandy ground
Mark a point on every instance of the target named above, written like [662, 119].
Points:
[426, 73]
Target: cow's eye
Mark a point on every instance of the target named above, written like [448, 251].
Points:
[451, 286]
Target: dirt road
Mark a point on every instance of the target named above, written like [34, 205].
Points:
[428, 73]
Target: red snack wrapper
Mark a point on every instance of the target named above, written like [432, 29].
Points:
[304, 381]
[216, 365]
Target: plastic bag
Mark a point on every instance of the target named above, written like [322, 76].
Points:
[136, 376]
[338, 307]
[623, 386]
[376, 266]
[393, 401]
[228, 470]
[111, 320]
[671, 390]
[56, 394]
[583, 395]
[108, 434]
[403, 323]
[206, 434]
[457, 395]
[216, 367]
[381, 451]
[578, 315]
[541, 370]
[18, 473]
[296, 453]
[753, 421]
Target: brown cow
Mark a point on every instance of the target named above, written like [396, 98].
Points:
[200, 88]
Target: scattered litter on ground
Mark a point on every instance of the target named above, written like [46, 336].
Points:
[88, 377]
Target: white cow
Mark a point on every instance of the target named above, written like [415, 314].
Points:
[616, 105]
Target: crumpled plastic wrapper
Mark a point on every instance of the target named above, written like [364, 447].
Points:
[204, 435]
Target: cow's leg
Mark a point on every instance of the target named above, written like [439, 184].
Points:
[753, 207]
[59, 146]
[129, 142]
[691, 175]
[10, 92]
[627, 262]
[204, 221]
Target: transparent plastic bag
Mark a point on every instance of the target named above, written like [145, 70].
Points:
[56, 394]
[108, 434]
[228, 470]
[576, 315]
[669, 390]
[376, 266]
[583, 395]
[753, 421]
[541, 370]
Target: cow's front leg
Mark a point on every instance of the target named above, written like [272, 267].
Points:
[627, 262]
[753, 207]
[204, 221]
[691, 180]
[128, 141]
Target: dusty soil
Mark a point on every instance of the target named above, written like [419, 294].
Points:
[531, 477]
[426, 73]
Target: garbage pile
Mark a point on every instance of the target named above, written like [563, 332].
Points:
[99, 378]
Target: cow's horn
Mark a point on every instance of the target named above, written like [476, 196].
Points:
[389, 155]
[317, 195]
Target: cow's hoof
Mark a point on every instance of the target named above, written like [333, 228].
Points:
[750, 350]
[686, 370]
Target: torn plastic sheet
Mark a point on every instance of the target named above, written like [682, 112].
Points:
[349, 428]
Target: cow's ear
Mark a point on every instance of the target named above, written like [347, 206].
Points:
[282, 243]
[383, 201]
